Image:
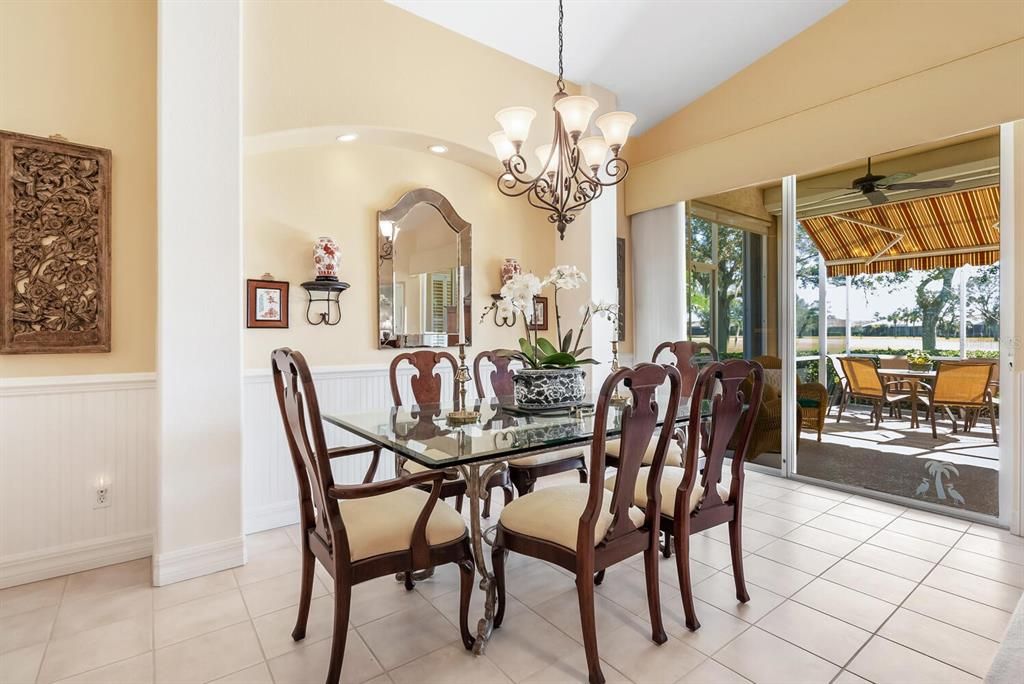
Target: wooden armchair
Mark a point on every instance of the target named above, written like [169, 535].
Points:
[688, 360]
[524, 472]
[865, 382]
[426, 390]
[585, 528]
[359, 532]
[965, 385]
[689, 506]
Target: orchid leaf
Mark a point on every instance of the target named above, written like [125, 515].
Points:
[591, 362]
[558, 360]
[546, 347]
[527, 348]
[580, 351]
[567, 341]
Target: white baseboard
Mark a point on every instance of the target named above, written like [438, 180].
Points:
[39, 565]
[270, 516]
[196, 561]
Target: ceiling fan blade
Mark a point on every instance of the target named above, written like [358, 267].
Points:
[921, 185]
[830, 188]
[896, 178]
[876, 197]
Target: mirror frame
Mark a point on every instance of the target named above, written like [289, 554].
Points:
[386, 274]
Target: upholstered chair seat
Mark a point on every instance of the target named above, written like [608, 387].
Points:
[548, 457]
[384, 524]
[553, 514]
[674, 457]
[671, 478]
[411, 466]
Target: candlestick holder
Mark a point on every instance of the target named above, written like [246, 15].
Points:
[462, 416]
[616, 399]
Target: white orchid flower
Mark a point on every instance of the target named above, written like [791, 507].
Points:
[566, 277]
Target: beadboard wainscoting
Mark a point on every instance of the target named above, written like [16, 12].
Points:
[270, 497]
[62, 436]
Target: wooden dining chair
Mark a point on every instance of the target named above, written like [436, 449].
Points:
[964, 385]
[359, 532]
[426, 391]
[524, 472]
[688, 360]
[865, 382]
[694, 500]
[585, 528]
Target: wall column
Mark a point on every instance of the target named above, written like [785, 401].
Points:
[199, 272]
[659, 278]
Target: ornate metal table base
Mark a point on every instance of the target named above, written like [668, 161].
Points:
[477, 492]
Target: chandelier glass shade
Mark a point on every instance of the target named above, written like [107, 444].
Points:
[573, 169]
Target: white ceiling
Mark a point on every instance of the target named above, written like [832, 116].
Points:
[656, 55]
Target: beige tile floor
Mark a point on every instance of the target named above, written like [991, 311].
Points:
[844, 589]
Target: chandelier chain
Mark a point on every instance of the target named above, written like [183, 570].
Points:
[561, 16]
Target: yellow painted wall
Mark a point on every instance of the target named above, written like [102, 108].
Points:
[312, 63]
[870, 77]
[87, 70]
[292, 197]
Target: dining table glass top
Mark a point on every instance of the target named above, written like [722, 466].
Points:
[422, 433]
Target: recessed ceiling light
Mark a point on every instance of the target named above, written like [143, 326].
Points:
[347, 137]
[438, 149]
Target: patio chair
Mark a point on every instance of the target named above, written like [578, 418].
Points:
[895, 363]
[865, 382]
[841, 384]
[965, 385]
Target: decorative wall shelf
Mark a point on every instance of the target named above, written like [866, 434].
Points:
[509, 322]
[331, 295]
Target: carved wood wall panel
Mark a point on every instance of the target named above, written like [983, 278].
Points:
[55, 242]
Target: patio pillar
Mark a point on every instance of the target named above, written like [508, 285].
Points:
[822, 321]
[849, 322]
[964, 272]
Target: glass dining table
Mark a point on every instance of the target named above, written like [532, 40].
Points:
[480, 450]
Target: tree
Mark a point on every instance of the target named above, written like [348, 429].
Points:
[983, 297]
[730, 285]
[934, 295]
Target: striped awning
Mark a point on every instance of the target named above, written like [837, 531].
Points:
[944, 231]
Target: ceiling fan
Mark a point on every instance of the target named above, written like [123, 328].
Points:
[871, 185]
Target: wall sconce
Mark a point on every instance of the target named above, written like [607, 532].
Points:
[330, 298]
[389, 231]
[508, 321]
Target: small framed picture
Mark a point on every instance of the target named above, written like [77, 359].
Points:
[267, 304]
[540, 314]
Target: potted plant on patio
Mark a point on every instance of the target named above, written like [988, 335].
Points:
[919, 361]
[552, 374]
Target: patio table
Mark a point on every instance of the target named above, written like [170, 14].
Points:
[913, 377]
[480, 450]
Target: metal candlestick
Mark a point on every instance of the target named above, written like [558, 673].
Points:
[462, 416]
[616, 398]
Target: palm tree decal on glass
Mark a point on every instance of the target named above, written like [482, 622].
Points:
[940, 471]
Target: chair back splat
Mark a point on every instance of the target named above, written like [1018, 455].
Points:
[962, 382]
[687, 355]
[729, 407]
[426, 384]
[501, 376]
[638, 422]
[300, 412]
[862, 374]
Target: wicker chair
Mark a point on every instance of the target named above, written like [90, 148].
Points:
[811, 397]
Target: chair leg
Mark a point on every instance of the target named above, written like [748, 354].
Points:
[931, 419]
[736, 547]
[878, 413]
[498, 556]
[658, 635]
[582, 470]
[466, 572]
[992, 421]
[682, 547]
[842, 405]
[666, 550]
[458, 503]
[305, 593]
[342, 601]
[585, 593]
[409, 583]
[510, 493]
[522, 480]
[598, 578]
[487, 504]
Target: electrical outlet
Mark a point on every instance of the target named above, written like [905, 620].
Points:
[102, 497]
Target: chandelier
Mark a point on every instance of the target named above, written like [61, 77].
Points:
[571, 167]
